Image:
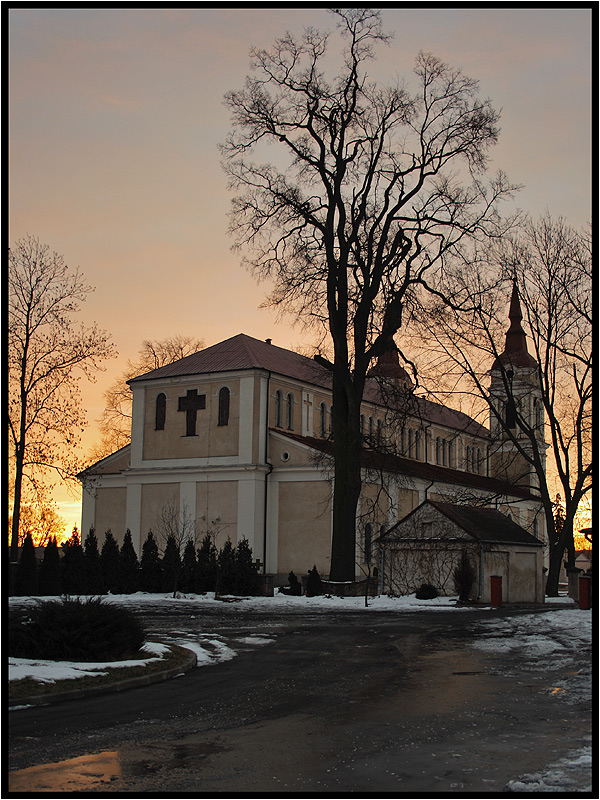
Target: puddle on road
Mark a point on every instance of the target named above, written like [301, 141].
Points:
[97, 770]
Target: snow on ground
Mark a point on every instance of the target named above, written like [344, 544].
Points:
[569, 773]
[51, 671]
[555, 636]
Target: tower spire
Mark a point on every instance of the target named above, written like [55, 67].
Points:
[515, 348]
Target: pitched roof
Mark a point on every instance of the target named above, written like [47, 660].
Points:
[243, 352]
[389, 462]
[483, 524]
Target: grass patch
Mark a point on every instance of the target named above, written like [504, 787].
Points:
[27, 687]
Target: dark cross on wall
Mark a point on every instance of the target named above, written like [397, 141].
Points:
[191, 403]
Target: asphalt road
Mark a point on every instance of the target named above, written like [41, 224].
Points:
[378, 702]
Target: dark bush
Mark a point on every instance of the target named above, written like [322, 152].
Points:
[110, 558]
[294, 587]
[26, 582]
[246, 578]
[426, 592]
[76, 630]
[50, 575]
[171, 566]
[206, 567]
[150, 567]
[314, 584]
[189, 568]
[464, 577]
[129, 566]
[94, 583]
[226, 569]
[73, 565]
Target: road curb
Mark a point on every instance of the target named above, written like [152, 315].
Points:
[117, 686]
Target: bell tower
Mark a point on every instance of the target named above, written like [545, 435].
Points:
[517, 405]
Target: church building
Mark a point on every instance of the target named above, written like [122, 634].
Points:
[236, 441]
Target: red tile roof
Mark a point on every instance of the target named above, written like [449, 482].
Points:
[243, 352]
[389, 462]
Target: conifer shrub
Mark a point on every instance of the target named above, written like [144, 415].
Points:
[150, 567]
[50, 579]
[26, 581]
[294, 587]
[171, 566]
[73, 565]
[225, 583]
[426, 591]
[75, 629]
[464, 577]
[314, 584]
[94, 583]
[189, 572]
[246, 580]
[110, 558]
[129, 566]
[206, 565]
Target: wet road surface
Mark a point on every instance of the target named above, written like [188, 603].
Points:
[377, 702]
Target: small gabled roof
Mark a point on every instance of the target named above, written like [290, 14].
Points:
[483, 524]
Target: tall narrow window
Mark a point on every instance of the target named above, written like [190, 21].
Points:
[418, 445]
[379, 433]
[450, 453]
[323, 420]
[438, 454]
[411, 443]
[362, 425]
[278, 409]
[468, 464]
[290, 412]
[224, 395]
[160, 412]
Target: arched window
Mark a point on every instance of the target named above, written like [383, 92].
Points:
[444, 452]
[368, 543]
[160, 412]
[224, 394]
[290, 411]
[323, 420]
[278, 409]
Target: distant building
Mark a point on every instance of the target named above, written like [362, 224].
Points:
[237, 439]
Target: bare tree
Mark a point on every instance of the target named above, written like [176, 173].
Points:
[377, 186]
[551, 265]
[115, 423]
[47, 353]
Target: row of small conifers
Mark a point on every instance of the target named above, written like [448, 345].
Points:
[87, 569]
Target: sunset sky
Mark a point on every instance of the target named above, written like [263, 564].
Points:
[116, 114]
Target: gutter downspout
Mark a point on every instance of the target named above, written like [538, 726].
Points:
[269, 471]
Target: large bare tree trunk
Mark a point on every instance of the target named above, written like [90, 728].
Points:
[347, 486]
